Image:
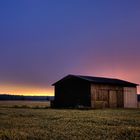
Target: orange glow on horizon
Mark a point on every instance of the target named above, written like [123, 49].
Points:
[16, 89]
[25, 90]
[118, 73]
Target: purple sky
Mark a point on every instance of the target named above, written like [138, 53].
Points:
[43, 40]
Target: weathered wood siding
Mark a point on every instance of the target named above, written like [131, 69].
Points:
[130, 97]
[106, 96]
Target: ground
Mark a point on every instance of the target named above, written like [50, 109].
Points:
[34, 121]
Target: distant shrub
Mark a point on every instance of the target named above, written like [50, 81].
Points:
[47, 107]
[36, 107]
[40, 107]
[15, 106]
[24, 106]
[20, 106]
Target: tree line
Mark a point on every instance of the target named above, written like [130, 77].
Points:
[21, 97]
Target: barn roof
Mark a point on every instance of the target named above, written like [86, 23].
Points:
[101, 80]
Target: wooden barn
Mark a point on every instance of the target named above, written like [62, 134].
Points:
[94, 92]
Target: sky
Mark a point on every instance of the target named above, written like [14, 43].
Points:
[42, 41]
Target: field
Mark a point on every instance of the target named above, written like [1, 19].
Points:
[42, 123]
[24, 104]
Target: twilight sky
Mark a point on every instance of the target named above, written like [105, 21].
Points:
[43, 40]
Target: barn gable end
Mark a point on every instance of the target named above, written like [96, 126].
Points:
[72, 92]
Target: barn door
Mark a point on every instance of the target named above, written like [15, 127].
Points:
[112, 98]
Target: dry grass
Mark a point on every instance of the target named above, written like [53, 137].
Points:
[52, 124]
[24, 104]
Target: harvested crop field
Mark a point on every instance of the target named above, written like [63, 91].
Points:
[45, 124]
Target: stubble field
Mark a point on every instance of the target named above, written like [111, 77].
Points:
[34, 121]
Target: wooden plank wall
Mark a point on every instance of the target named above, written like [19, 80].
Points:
[130, 97]
[105, 96]
[112, 98]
